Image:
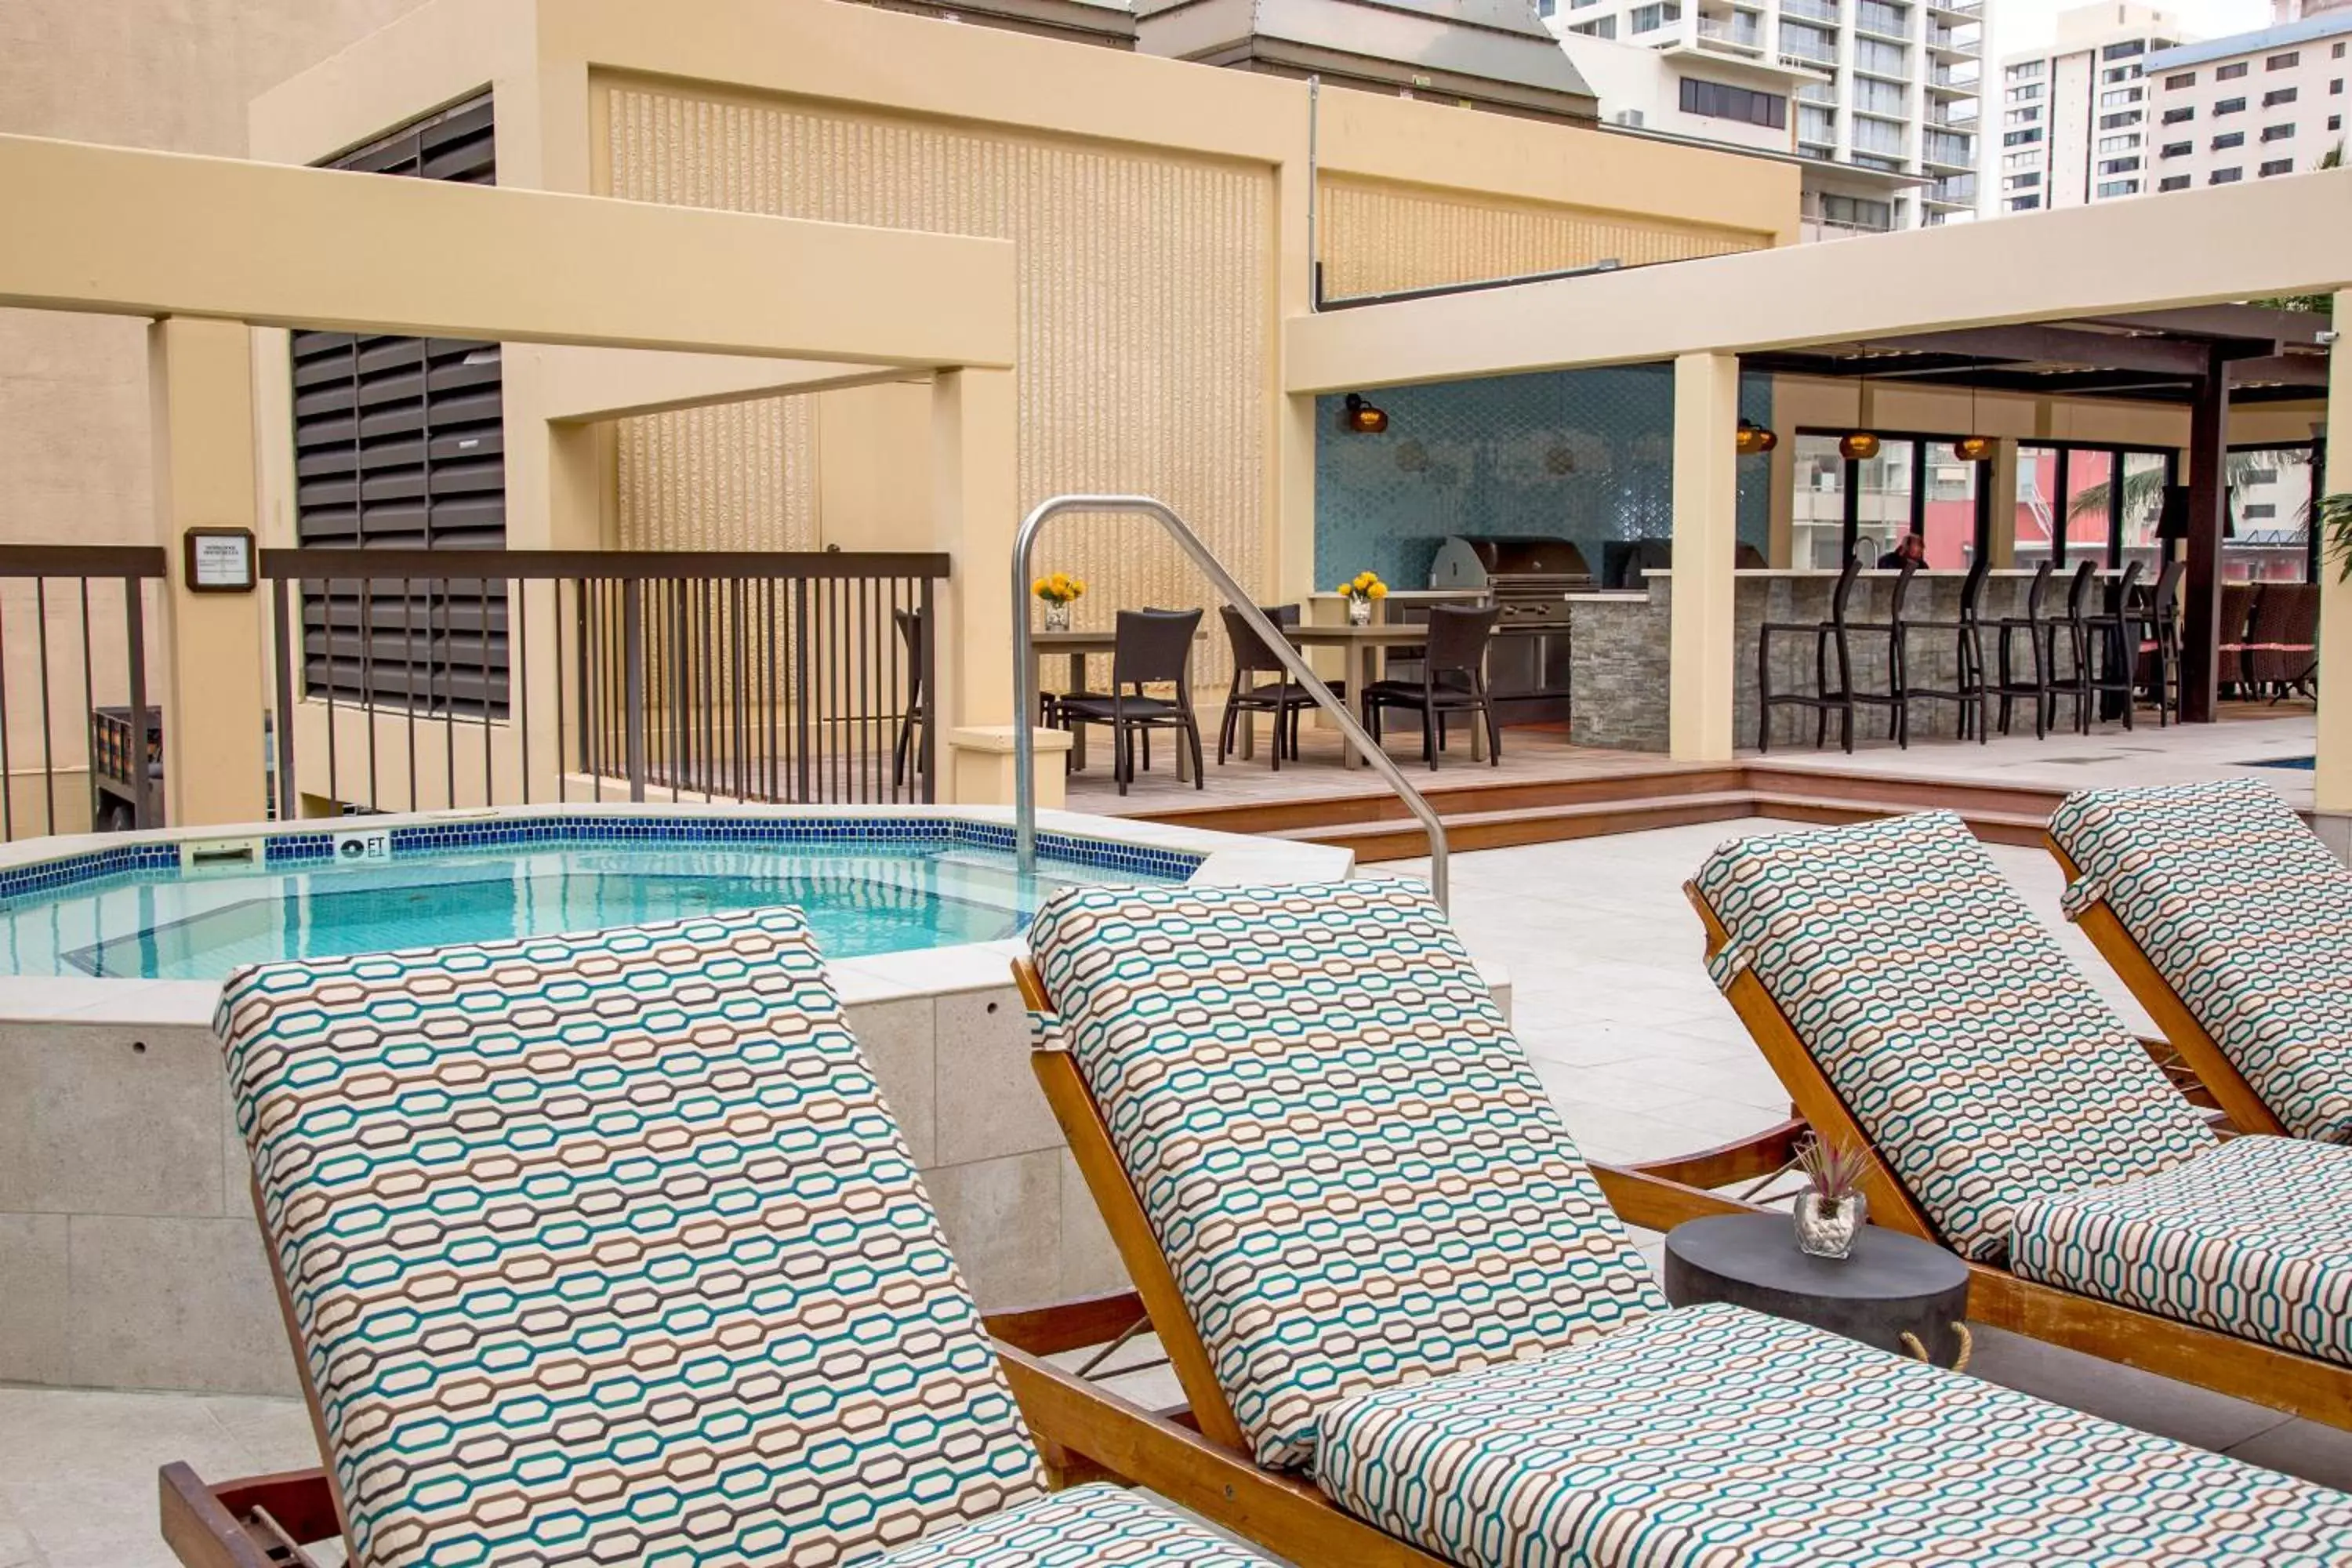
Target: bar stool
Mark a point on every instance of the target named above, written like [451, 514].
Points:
[2073, 685]
[2035, 628]
[1968, 688]
[2114, 658]
[1895, 697]
[1823, 700]
[2158, 624]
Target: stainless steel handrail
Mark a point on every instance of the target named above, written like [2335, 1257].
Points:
[1025, 675]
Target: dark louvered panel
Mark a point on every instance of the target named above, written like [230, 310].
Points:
[399, 443]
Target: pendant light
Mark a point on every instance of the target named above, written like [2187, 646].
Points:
[1860, 442]
[1973, 448]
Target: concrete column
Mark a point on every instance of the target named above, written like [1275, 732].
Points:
[2332, 780]
[1780, 545]
[975, 512]
[1706, 529]
[2001, 475]
[2209, 499]
[200, 384]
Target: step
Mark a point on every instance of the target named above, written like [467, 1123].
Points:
[1450, 793]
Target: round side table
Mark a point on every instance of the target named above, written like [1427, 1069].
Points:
[1894, 1289]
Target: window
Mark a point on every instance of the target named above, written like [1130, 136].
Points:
[2336, 88]
[1880, 97]
[1646, 18]
[1860, 212]
[2283, 62]
[1885, 59]
[1816, 124]
[2116, 96]
[2337, 53]
[2225, 176]
[2277, 95]
[1879, 18]
[2124, 51]
[2178, 149]
[2176, 116]
[2117, 143]
[2231, 72]
[2278, 166]
[2024, 203]
[2259, 511]
[2173, 183]
[2021, 182]
[2113, 188]
[2119, 167]
[1719, 102]
[2020, 117]
[2021, 160]
[2278, 132]
[1599, 27]
[2025, 94]
[2021, 138]
[2030, 70]
[2335, 123]
[2229, 106]
[2179, 80]
[2235, 139]
[2128, 117]
[2120, 73]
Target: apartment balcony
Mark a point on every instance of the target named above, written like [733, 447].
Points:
[1961, 43]
[1955, 191]
[1964, 79]
[1731, 37]
[1812, 230]
[1961, 113]
[1811, 10]
[1956, 8]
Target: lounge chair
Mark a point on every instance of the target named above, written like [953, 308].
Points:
[604, 1249]
[1375, 1259]
[2232, 923]
[1912, 1005]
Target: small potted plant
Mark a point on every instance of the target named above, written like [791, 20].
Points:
[1830, 1210]
[1363, 589]
[1059, 590]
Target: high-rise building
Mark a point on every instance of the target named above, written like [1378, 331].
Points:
[2254, 106]
[1880, 94]
[2076, 118]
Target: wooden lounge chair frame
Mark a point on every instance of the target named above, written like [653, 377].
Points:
[2284, 1380]
[2197, 1051]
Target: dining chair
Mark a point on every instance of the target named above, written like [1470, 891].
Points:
[1150, 647]
[1453, 681]
[1284, 698]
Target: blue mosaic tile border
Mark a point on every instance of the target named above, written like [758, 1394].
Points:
[428, 839]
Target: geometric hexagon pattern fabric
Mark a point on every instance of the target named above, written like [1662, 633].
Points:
[2248, 918]
[1354, 1173]
[1711, 1437]
[2253, 1239]
[1978, 1060]
[604, 1248]
[1086, 1527]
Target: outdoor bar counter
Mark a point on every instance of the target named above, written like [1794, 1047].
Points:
[1618, 652]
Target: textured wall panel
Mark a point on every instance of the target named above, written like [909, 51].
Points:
[738, 477]
[1378, 237]
[1145, 316]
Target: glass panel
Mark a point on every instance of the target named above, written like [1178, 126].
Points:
[1886, 487]
[2143, 511]
[1817, 517]
[1951, 516]
[2034, 514]
[2270, 503]
[2086, 505]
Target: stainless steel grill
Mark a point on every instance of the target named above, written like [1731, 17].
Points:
[1528, 576]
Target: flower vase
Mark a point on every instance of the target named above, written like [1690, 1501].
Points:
[1360, 610]
[1826, 1226]
[1057, 615]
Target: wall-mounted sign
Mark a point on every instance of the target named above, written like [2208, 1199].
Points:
[218, 559]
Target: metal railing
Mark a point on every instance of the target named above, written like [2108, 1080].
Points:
[440, 677]
[77, 653]
[1025, 676]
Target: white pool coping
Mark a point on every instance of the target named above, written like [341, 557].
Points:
[1230, 860]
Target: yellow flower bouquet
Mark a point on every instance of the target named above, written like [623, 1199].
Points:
[1058, 590]
[1363, 589]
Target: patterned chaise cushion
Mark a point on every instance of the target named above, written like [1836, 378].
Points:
[1086, 1527]
[2254, 1239]
[1348, 1159]
[1710, 1435]
[1977, 1060]
[605, 1248]
[2245, 913]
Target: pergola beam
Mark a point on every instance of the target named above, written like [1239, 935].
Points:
[2062, 345]
[127, 232]
[2295, 236]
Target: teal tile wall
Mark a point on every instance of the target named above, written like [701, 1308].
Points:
[1586, 455]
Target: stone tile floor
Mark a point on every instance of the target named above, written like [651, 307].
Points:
[1610, 999]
